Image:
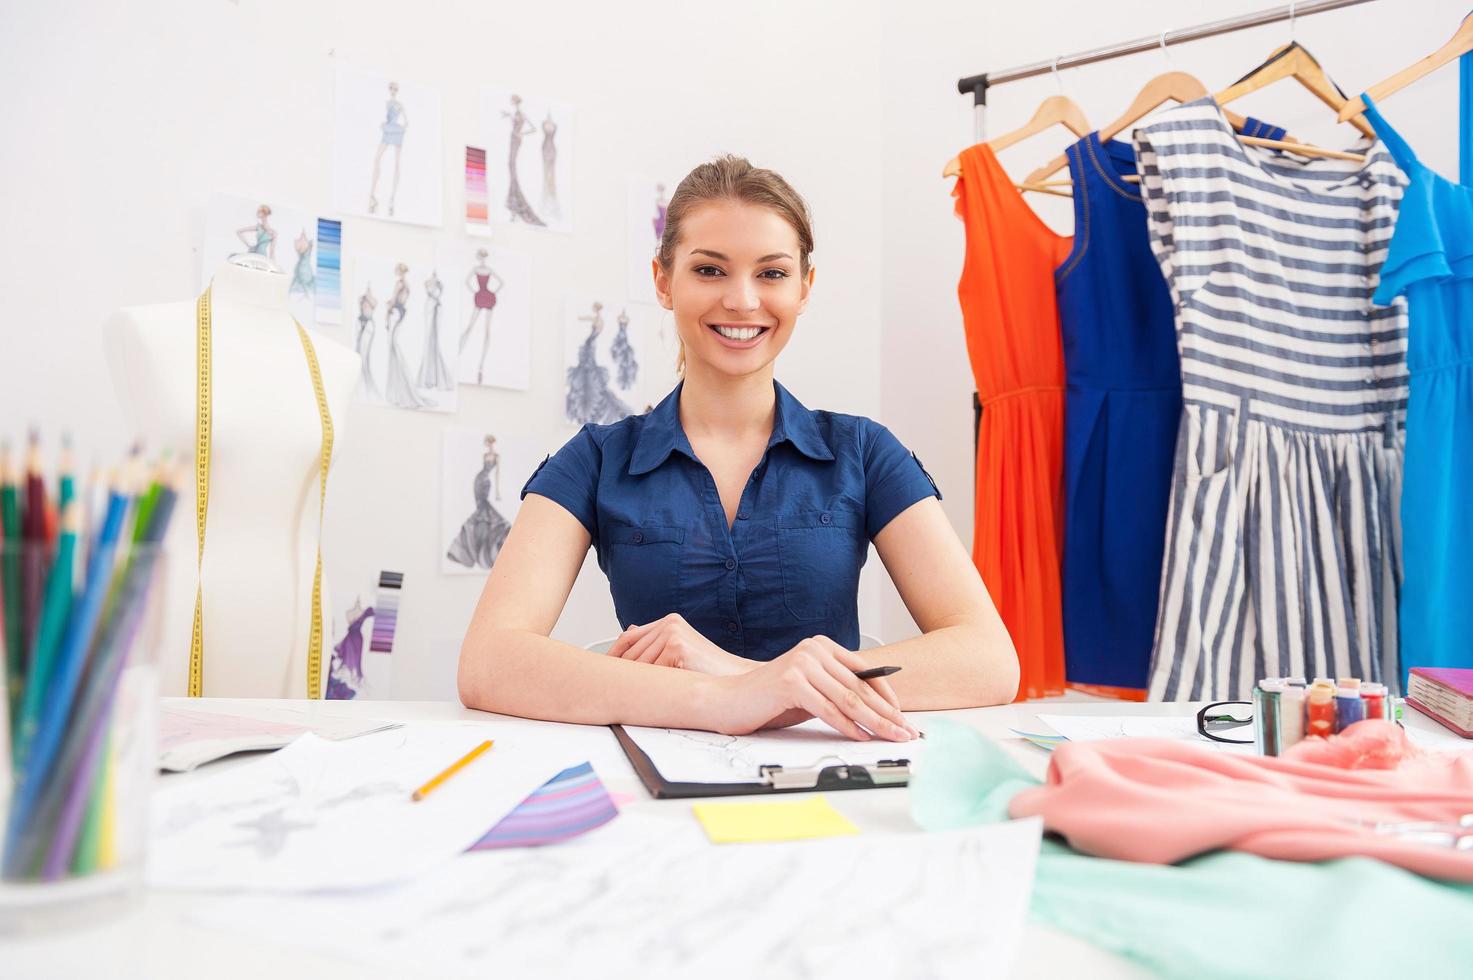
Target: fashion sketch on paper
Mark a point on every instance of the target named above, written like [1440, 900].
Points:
[391, 134]
[623, 353]
[304, 276]
[483, 533]
[367, 303]
[263, 236]
[346, 676]
[478, 282]
[516, 201]
[397, 389]
[660, 207]
[433, 374]
[549, 203]
[589, 397]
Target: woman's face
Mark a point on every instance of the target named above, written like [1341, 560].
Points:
[734, 286]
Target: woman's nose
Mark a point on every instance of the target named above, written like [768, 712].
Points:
[740, 296]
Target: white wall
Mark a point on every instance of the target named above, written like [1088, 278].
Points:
[122, 118]
[929, 44]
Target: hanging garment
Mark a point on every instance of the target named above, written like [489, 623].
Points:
[1012, 328]
[1431, 264]
[1282, 552]
[1122, 405]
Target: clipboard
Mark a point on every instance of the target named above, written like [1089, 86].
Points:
[768, 779]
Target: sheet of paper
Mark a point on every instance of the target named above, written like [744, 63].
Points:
[648, 898]
[191, 738]
[739, 823]
[1089, 728]
[327, 815]
[684, 756]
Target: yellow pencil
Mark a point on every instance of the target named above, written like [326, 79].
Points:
[464, 761]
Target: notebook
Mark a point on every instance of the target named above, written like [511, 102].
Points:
[1444, 694]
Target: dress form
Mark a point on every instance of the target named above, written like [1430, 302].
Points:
[262, 529]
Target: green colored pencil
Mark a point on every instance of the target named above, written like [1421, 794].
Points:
[54, 612]
[10, 582]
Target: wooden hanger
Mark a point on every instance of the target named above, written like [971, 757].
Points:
[1056, 110]
[1457, 46]
[1293, 61]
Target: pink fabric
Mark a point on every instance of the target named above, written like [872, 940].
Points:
[1160, 801]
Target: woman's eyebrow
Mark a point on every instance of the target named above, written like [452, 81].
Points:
[725, 258]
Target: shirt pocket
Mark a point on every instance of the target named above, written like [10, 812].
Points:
[817, 552]
[644, 568]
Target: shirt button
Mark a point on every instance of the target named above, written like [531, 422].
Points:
[1370, 379]
[731, 627]
[730, 564]
[825, 519]
[638, 536]
[742, 516]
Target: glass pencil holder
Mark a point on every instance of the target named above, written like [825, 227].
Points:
[80, 734]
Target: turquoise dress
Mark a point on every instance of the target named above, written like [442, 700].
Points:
[1430, 262]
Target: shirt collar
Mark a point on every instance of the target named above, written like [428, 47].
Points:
[661, 434]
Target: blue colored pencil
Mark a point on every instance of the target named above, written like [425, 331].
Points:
[54, 612]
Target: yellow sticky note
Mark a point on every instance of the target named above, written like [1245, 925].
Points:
[736, 823]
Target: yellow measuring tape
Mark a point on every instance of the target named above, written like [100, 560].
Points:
[202, 498]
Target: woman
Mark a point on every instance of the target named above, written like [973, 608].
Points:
[483, 301]
[732, 523]
[391, 133]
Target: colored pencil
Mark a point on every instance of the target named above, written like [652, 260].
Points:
[54, 613]
[10, 581]
[458, 765]
[33, 553]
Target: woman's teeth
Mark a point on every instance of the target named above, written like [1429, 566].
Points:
[738, 333]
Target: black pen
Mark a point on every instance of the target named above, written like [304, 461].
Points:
[873, 672]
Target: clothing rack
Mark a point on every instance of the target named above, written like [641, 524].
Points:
[978, 85]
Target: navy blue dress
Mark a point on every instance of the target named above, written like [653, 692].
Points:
[786, 569]
[1122, 404]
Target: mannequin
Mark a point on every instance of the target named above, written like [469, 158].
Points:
[262, 523]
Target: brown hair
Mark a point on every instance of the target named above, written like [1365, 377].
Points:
[733, 178]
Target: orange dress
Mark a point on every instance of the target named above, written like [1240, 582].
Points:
[1013, 342]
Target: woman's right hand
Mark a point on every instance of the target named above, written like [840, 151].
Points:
[814, 679]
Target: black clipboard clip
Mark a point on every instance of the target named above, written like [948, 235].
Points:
[886, 772]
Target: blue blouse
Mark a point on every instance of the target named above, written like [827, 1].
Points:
[785, 570]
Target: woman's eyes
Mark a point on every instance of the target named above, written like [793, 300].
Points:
[711, 271]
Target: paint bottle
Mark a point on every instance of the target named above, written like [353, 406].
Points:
[1319, 710]
[1349, 708]
[1374, 696]
[1291, 716]
[1295, 682]
[1266, 715]
[1351, 682]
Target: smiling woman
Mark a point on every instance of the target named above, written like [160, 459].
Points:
[732, 523]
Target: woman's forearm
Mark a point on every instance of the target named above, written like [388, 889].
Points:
[961, 666]
[518, 672]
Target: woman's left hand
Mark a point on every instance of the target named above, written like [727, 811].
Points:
[672, 642]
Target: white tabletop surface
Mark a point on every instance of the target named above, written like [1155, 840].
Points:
[152, 938]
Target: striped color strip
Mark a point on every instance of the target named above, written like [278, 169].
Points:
[329, 271]
[477, 198]
[386, 611]
[1283, 541]
[571, 803]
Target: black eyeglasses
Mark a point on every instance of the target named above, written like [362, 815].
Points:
[1224, 716]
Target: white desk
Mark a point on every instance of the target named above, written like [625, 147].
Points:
[155, 941]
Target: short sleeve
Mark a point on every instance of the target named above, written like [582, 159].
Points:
[570, 477]
[893, 478]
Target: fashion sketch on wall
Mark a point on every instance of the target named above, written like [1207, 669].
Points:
[529, 143]
[400, 334]
[285, 235]
[483, 474]
[388, 150]
[489, 294]
[363, 639]
[619, 360]
[649, 198]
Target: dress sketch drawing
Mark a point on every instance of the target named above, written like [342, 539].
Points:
[516, 201]
[483, 533]
[483, 301]
[398, 390]
[367, 303]
[263, 241]
[549, 202]
[391, 134]
[589, 397]
[346, 677]
[304, 276]
[433, 373]
[623, 354]
[660, 207]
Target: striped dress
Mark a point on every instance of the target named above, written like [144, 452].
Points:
[1283, 539]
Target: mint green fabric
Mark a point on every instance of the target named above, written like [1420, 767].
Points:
[1224, 914]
